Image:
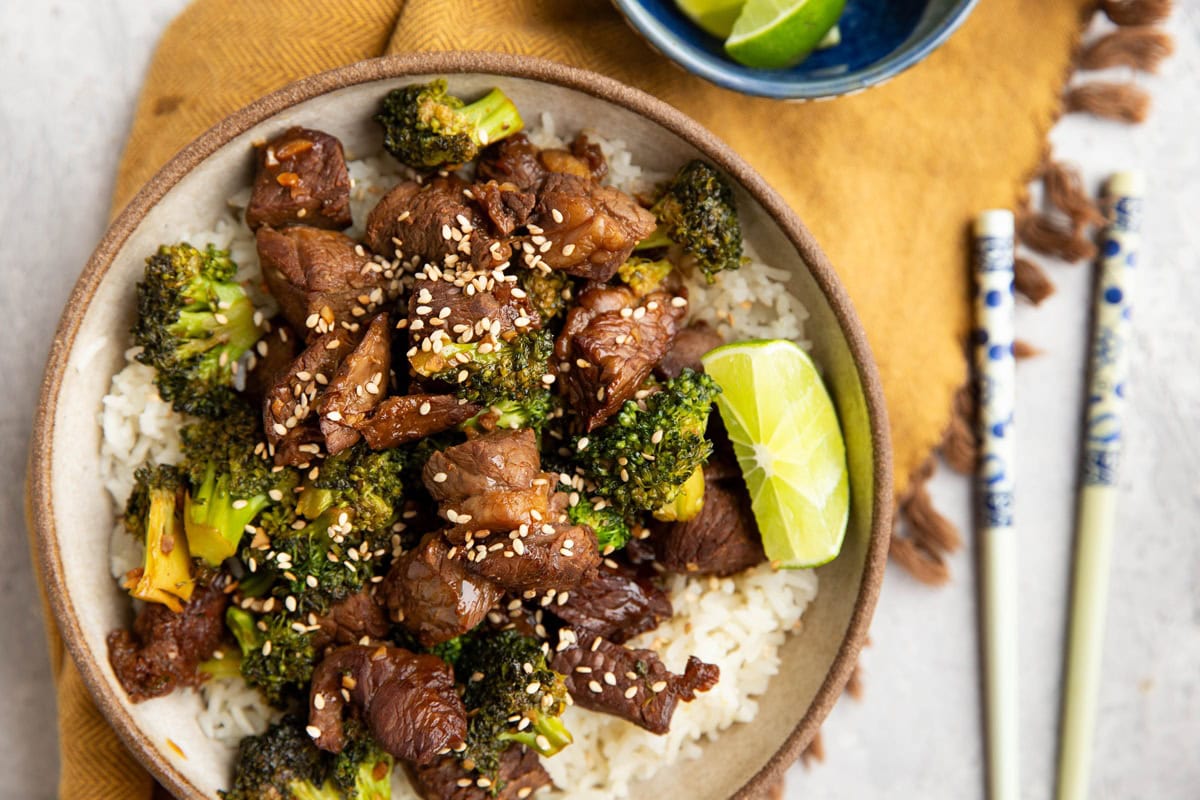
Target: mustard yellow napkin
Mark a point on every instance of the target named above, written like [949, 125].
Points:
[886, 179]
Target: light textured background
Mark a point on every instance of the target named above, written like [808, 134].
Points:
[69, 73]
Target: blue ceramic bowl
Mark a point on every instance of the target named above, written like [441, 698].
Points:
[880, 39]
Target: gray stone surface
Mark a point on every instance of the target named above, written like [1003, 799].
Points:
[69, 72]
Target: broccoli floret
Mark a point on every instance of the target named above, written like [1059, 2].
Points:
[311, 561]
[512, 370]
[152, 514]
[642, 275]
[232, 482]
[612, 530]
[532, 412]
[501, 669]
[194, 323]
[277, 659]
[641, 458]
[367, 485]
[426, 127]
[697, 211]
[549, 292]
[285, 764]
[450, 651]
[363, 770]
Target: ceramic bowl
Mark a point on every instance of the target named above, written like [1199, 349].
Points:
[73, 515]
[880, 39]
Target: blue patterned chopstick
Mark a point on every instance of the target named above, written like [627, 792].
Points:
[996, 378]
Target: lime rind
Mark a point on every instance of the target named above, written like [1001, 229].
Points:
[776, 34]
[785, 434]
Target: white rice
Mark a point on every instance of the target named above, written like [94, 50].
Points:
[738, 623]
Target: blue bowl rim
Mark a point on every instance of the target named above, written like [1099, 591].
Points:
[713, 70]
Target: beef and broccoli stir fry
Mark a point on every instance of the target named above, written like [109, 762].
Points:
[424, 506]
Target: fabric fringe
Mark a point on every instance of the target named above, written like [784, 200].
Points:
[1122, 102]
[1136, 12]
[1031, 281]
[1064, 190]
[1138, 48]
[1051, 237]
[813, 754]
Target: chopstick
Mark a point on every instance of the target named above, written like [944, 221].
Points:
[996, 378]
[1098, 482]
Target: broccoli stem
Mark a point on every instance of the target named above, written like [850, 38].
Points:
[241, 625]
[228, 666]
[215, 520]
[546, 735]
[314, 502]
[167, 569]
[687, 503]
[494, 116]
[660, 238]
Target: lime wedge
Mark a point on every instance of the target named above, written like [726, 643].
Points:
[789, 445]
[773, 34]
[715, 16]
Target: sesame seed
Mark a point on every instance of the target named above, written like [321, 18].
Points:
[678, 302]
[279, 429]
[658, 687]
[319, 701]
[657, 437]
[463, 783]
[630, 692]
[533, 688]
[568, 249]
[240, 503]
[440, 477]
[266, 648]
[595, 687]
[610, 679]
[336, 416]
[313, 731]
[583, 443]
[446, 232]
[424, 409]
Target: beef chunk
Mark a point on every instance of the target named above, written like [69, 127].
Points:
[349, 621]
[590, 154]
[586, 229]
[409, 418]
[323, 280]
[489, 310]
[611, 351]
[506, 207]
[723, 538]
[301, 178]
[430, 592]
[588, 664]
[291, 428]
[539, 558]
[274, 353]
[615, 604]
[690, 343]
[520, 775]
[358, 386]
[492, 483]
[408, 701]
[435, 221]
[584, 159]
[164, 648]
[513, 160]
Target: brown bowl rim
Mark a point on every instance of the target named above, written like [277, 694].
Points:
[454, 62]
